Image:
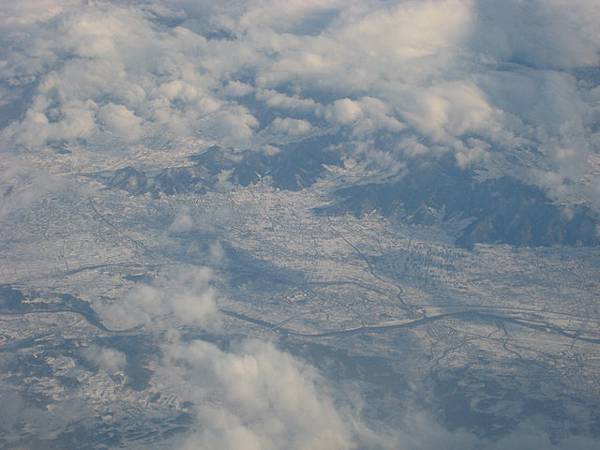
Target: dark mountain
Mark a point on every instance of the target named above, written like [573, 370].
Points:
[296, 166]
[503, 210]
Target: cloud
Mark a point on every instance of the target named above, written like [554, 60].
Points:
[522, 31]
[121, 121]
[237, 88]
[499, 85]
[256, 397]
[122, 76]
[419, 431]
[182, 221]
[290, 127]
[183, 296]
[22, 185]
[475, 77]
[43, 422]
[250, 395]
[344, 111]
[27, 12]
[277, 100]
[107, 359]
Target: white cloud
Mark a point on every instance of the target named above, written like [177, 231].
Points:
[277, 100]
[252, 395]
[107, 359]
[365, 115]
[478, 78]
[236, 88]
[547, 34]
[184, 296]
[129, 71]
[232, 126]
[344, 111]
[182, 221]
[216, 252]
[27, 12]
[256, 397]
[21, 186]
[290, 127]
[121, 121]
[442, 71]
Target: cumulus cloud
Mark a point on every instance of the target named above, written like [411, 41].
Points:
[291, 127]
[472, 76]
[419, 431]
[521, 31]
[278, 100]
[236, 88]
[184, 296]
[27, 12]
[182, 221]
[123, 76]
[121, 121]
[21, 185]
[475, 77]
[249, 396]
[486, 81]
[256, 397]
[344, 111]
[107, 359]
